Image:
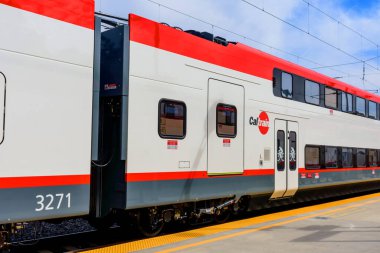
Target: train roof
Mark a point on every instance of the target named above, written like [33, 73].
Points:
[237, 56]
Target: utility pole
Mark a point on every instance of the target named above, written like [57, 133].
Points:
[363, 78]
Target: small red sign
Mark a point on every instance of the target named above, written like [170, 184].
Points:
[303, 175]
[316, 175]
[309, 175]
[226, 142]
[263, 123]
[172, 144]
[110, 86]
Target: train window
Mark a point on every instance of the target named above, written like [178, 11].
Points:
[172, 121]
[280, 150]
[226, 117]
[361, 157]
[331, 98]
[360, 106]
[346, 102]
[312, 92]
[287, 85]
[312, 160]
[292, 150]
[372, 158]
[347, 158]
[372, 110]
[331, 157]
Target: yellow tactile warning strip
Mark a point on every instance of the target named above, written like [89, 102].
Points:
[297, 214]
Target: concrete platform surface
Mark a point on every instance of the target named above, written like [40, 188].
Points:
[347, 226]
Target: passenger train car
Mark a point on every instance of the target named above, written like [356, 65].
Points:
[147, 123]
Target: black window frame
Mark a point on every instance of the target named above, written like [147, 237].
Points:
[376, 156]
[292, 84]
[352, 102]
[337, 157]
[336, 97]
[235, 118]
[168, 136]
[319, 91]
[320, 161]
[356, 106]
[369, 115]
[356, 158]
[352, 157]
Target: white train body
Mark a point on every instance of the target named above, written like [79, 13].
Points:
[197, 75]
[46, 59]
[167, 118]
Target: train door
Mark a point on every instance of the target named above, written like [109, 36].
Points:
[2, 106]
[225, 128]
[286, 162]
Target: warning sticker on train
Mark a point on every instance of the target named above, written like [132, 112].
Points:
[262, 122]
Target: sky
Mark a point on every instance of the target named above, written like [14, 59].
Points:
[316, 34]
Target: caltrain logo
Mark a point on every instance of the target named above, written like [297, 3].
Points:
[262, 122]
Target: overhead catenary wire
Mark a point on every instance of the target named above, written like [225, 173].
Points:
[341, 23]
[243, 36]
[270, 46]
[306, 32]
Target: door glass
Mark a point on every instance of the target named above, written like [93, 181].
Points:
[280, 150]
[292, 151]
[226, 118]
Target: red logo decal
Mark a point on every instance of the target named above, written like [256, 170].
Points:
[263, 123]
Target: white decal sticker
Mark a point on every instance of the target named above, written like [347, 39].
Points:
[53, 202]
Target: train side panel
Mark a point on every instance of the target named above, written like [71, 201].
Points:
[160, 69]
[157, 174]
[46, 55]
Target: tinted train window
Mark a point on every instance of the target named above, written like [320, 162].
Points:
[331, 98]
[346, 102]
[226, 117]
[280, 150]
[287, 85]
[360, 106]
[360, 157]
[292, 150]
[331, 157]
[312, 92]
[347, 158]
[372, 158]
[172, 122]
[372, 109]
[312, 160]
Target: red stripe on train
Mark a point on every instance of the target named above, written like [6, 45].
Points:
[236, 57]
[183, 175]
[303, 170]
[43, 181]
[78, 12]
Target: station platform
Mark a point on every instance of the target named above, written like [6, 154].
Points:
[348, 226]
